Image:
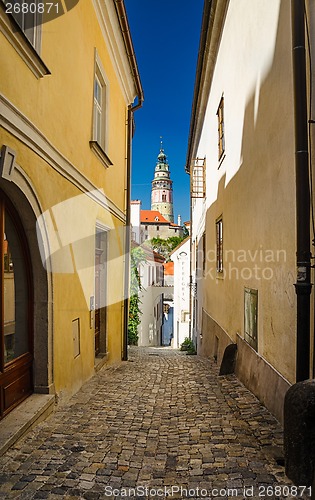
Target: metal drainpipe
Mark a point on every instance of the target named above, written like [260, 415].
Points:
[131, 111]
[190, 331]
[303, 285]
[125, 31]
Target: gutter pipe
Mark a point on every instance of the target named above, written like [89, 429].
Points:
[303, 285]
[125, 31]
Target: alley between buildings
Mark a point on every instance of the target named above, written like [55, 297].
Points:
[163, 424]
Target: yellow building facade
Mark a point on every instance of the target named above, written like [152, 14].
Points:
[69, 86]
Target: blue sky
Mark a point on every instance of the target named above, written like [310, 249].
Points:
[165, 35]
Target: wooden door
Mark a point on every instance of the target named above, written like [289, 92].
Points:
[16, 340]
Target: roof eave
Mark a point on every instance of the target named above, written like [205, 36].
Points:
[213, 18]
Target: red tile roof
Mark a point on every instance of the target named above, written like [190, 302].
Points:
[169, 268]
[151, 215]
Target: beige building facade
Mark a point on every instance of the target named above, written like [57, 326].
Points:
[241, 158]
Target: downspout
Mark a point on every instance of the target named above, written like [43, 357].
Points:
[125, 31]
[303, 285]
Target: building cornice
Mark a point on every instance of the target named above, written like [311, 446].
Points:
[17, 124]
[115, 41]
[211, 30]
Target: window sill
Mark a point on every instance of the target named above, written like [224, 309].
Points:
[100, 153]
[16, 37]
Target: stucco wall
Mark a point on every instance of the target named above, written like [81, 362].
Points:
[253, 185]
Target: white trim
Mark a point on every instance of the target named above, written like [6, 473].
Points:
[109, 24]
[12, 120]
[101, 77]
[101, 226]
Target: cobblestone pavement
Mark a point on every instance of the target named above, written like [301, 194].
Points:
[159, 423]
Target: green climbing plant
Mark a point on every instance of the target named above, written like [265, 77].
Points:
[137, 256]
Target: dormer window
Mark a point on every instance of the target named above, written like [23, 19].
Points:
[156, 218]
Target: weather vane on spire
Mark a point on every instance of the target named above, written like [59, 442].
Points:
[161, 142]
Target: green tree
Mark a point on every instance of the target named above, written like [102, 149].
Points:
[165, 246]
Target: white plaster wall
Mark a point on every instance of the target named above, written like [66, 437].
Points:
[135, 220]
[181, 259]
[254, 186]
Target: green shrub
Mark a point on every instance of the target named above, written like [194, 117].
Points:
[188, 346]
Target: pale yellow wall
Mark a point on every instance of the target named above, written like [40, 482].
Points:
[60, 106]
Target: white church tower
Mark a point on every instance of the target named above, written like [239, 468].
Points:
[162, 191]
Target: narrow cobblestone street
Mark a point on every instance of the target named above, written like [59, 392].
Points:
[162, 419]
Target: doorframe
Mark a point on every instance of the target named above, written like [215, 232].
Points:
[102, 228]
[23, 364]
[18, 187]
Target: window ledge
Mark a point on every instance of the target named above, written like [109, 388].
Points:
[13, 33]
[100, 153]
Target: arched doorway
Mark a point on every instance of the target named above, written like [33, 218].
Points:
[16, 311]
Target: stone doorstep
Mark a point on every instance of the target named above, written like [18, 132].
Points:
[30, 412]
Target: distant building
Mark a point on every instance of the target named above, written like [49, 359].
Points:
[154, 225]
[168, 273]
[181, 258]
[135, 207]
[152, 296]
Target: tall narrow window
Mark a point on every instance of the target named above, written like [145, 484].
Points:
[221, 140]
[99, 129]
[204, 253]
[98, 103]
[100, 113]
[219, 244]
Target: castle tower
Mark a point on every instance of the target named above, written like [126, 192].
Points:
[162, 191]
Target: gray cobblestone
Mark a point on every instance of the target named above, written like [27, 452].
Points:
[157, 421]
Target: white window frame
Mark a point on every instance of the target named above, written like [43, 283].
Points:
[99, 142]
[100, 77]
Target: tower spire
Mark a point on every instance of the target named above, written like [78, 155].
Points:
[162, 191]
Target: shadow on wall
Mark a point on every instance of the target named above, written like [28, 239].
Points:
[258, 212]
